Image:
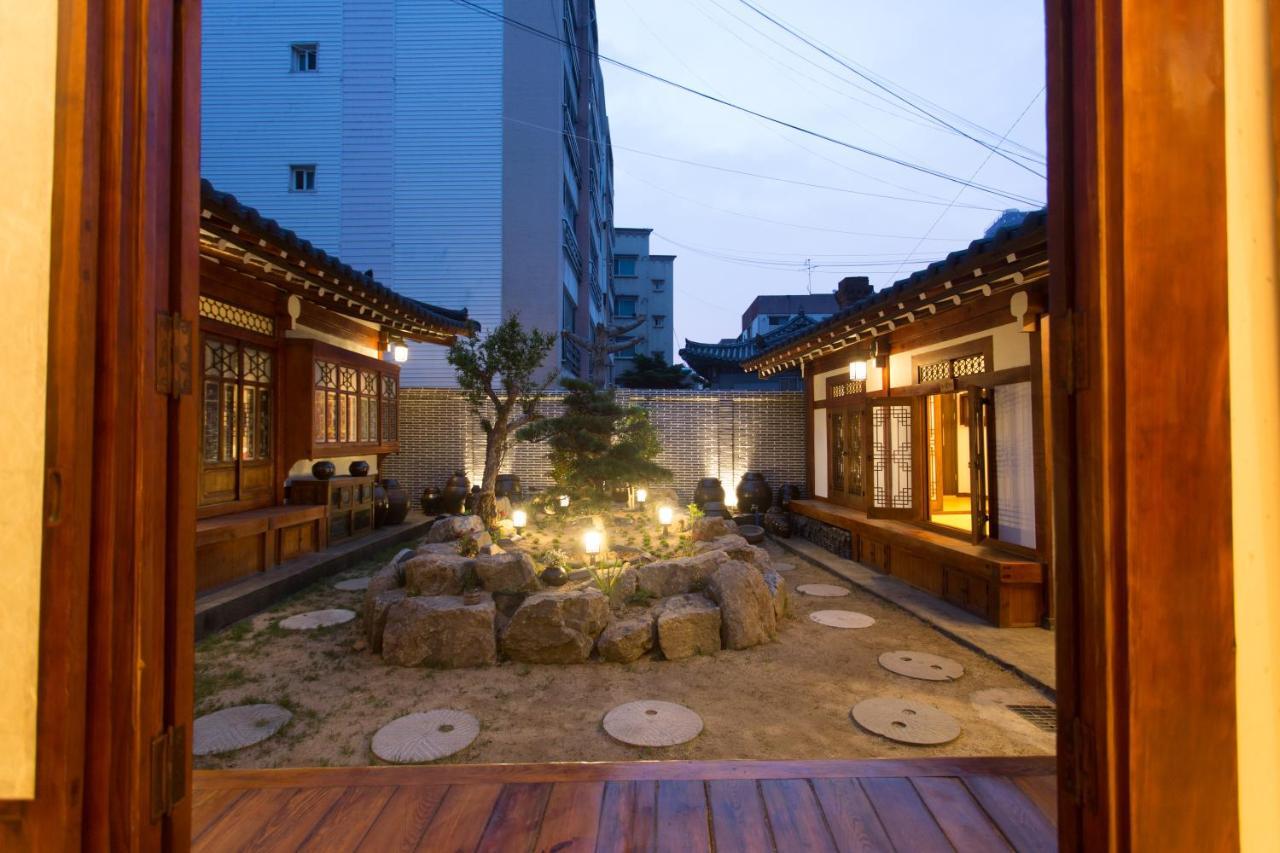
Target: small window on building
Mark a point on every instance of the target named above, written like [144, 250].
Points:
[304, 57]
[659, 355]
[777, 320]
[625, 266]
[659, 285]
[302, 179]
[624, 306]
[629, 353]
[659, 320]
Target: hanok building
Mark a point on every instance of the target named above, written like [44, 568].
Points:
[298, 363]
[925, 428]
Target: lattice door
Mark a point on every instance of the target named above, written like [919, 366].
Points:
[893, 464]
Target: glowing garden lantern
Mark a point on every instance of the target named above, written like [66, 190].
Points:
[642, 495]
[519, 518]
[564, 501]
[664, 518]
[592, 542]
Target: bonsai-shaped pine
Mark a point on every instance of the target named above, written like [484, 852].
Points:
[496, 374]
[598, 444]
[649, 372]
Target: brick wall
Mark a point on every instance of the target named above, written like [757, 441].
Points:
[704, 434]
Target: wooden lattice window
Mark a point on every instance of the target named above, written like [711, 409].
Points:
[255, 404]
[952, 368]
[838, 459]
[237, 443]
[390, 408]
[221, 377]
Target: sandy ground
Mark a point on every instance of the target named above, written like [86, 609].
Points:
[786, 700]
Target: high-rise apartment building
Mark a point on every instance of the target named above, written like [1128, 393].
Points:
[643, 286]
[465, 160]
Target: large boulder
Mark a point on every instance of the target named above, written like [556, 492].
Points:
[688, 625]
[558, 626]
[677, 577]
[627, 639]
[387, 578]
[747, 616]
[439, 548]
[507, 572]
[712, 527]
[778, 592]
[436, 574]
[452, 527]
[375, 621]
[441, 631]
[737, 548]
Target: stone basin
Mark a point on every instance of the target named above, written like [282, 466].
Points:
[754, 534]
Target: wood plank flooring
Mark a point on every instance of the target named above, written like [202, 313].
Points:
[964, 804]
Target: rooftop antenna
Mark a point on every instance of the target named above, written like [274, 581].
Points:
[808, 265]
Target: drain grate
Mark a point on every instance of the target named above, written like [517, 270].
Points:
[1043, 717]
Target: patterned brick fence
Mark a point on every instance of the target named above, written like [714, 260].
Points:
[704, 434]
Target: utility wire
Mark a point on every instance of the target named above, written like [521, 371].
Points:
[906, 164]
[743, 172]
[960, 192]
[993, 149]
[725, 210]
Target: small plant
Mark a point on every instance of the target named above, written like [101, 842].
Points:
[606, 575]
[468, 546]
[695, 512]
[640, 598]
[553, 557]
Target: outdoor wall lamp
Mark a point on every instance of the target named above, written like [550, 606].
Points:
[664, 518]
[858, 370]
[592, 541]
[400, 353]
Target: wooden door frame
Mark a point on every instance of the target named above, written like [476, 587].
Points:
[1142, 542]
[118, 581]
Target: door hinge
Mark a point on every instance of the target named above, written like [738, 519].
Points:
[168, 770]
[1076, 355]
[173, 355]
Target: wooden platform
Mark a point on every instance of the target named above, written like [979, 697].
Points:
[977, 804]
[1003, 588]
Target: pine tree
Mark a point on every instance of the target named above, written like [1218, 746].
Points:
[598, 444]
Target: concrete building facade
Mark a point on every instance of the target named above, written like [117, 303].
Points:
[466, 161]
[643, 285]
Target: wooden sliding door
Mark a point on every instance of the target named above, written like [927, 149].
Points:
[895, 473]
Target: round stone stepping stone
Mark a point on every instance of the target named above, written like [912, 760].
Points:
[352, 585]
[425, 736]
[235, 728]
[921, 665]
[842, 619]
[784, 567]
[905, 721]
[317, 619]
[823, 590]
[652, 723]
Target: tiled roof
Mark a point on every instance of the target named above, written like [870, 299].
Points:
[233, 210]
[790, 303]
[733, 351]
[938, 270]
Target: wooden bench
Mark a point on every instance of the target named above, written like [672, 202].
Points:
[1006, 590]
[242, 543]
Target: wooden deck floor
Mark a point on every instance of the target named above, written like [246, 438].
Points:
[929, 804]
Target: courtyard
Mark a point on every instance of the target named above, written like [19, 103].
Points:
[786, 699]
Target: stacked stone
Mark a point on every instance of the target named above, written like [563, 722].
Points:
[438, 608]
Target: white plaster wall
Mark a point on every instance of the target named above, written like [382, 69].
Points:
[820, 455]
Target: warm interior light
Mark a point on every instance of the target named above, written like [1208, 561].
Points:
[858, 370]
[519, 518]
[592, 540]
[564, 500]
[400, 353]
[664, 515]
[642, 495]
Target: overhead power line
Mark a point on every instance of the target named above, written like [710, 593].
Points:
[992, 148]
[906, 164]
[745, 173]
